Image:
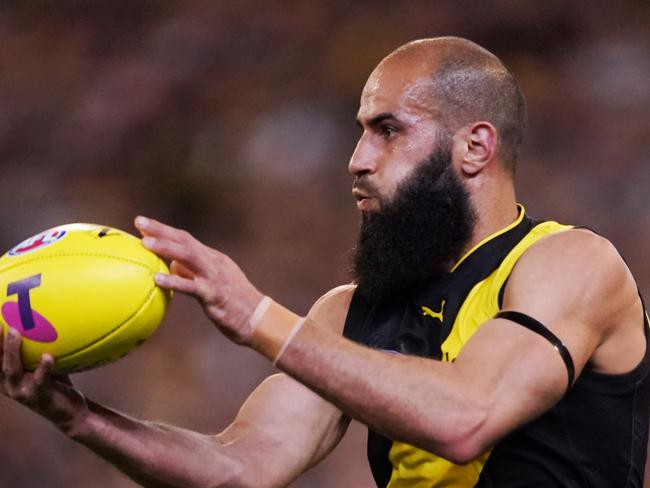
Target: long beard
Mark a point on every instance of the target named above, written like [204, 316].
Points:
[418, 234]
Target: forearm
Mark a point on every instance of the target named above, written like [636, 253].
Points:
[152, 454]
[416, 400]
[281, 430]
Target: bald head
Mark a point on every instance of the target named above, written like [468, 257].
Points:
[467, 84]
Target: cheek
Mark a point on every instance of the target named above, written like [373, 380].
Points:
[392, 179]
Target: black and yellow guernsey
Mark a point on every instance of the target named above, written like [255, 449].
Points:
[596, 436]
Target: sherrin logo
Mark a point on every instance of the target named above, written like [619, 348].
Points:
[38, 241]
[20, 315]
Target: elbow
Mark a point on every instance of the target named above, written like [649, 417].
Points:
[230, 475]
[464, 451]
[241, 476]
[464, 440]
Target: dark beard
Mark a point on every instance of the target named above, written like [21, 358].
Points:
[417, 235]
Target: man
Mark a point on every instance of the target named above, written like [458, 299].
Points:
[502, 352]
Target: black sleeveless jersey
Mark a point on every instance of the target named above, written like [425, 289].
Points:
[595, 436]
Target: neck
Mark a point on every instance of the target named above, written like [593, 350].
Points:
[494, 211]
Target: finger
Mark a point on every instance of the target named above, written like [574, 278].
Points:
[152, 227]
[179, 269]
[2, 339]
[2, 378]
[12, 367]
[187, 252]
[176, 283]
[43, 373]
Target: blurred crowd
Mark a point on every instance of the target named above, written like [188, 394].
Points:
[235, 121]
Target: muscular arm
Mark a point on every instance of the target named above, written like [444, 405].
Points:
[282, 429]
[575, 284]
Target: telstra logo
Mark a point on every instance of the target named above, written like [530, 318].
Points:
[22, 317]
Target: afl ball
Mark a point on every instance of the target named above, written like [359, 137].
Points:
[84, 293]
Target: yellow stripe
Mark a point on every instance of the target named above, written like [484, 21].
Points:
[522, 214]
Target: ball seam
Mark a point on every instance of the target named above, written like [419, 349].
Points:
[95, 255]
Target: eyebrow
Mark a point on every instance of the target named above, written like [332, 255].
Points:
[377, 119]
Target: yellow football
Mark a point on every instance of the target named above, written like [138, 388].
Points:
[84, 293]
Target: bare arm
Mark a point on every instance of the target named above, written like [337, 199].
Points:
[506, 375]
[574, 282]
[282, 429]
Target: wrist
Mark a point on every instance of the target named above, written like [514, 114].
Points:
[72, 421]
[273, 328]
[77, 428]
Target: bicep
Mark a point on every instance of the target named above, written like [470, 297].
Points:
[511, 374]
[282, 420]
[517, 372]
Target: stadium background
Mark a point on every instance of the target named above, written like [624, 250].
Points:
[235, 120]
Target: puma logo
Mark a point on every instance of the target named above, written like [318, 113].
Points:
[431, 313]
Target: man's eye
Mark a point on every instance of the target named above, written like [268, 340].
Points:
[387, 131]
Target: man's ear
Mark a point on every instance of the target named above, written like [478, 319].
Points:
[477, 147]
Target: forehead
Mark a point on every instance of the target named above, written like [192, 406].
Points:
[399, 90]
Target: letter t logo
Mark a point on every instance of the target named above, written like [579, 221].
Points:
[21, 288]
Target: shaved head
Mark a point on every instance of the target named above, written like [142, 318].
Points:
[467, 84]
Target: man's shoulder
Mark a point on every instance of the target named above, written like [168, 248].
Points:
[574, 248]
[574, 268]
[330, 310]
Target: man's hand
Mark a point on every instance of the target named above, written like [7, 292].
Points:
[53, 397]
[227, 296]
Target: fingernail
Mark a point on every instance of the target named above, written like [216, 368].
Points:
[13, 333]
[141, 221]
[160, 278]
[148, 241]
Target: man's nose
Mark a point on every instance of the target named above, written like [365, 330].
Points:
[363, 158]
